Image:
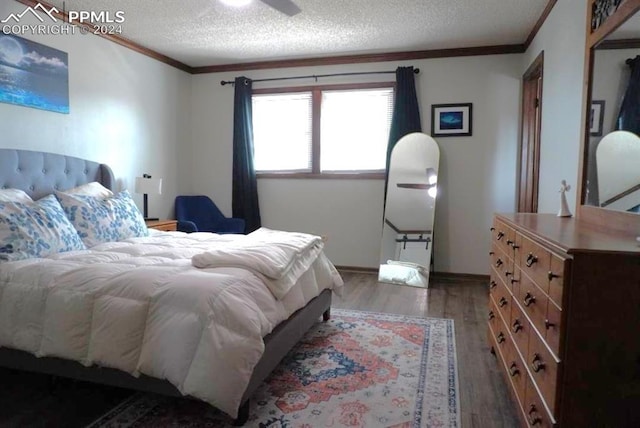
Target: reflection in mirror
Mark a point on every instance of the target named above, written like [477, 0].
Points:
[618, 166]
[407, 234]
[611, 83]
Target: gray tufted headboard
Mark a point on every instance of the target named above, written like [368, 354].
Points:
[39, 173]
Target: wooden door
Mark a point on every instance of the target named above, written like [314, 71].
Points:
[530, 138]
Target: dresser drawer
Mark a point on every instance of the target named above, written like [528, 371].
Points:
[556, 276]
[500, 336]
[535, 261]
[553, 328]
[533, 302]
[516, 372]
[520, 330]
[544, 370]
[500, 261]
[502, 299]
[504, 236]
[534, 411]
[514, 281]
[492, 317]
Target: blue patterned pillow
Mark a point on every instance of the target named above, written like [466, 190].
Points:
[36, 229]
[99, 220]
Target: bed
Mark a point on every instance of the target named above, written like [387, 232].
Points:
[158, 270]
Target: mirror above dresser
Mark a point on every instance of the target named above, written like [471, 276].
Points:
[609, 191]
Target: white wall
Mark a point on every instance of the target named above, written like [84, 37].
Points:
[127, 110]
[139, 115]
[477, 173]
[562, 37]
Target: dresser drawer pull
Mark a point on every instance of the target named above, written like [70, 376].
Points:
[529, 299]
[500, 235]
[500, 338]
[507, 273]
[531, 259]
[503, 302]
[499, 262]
[548, 324]
[513, 281]
[513, 369]
[491, 315]
[536, 363]
[492, 285]
[510, 242]
[552, 275]
[514, 246]
[492, 229]
[491, 253]
[516, 326]
[533, 417]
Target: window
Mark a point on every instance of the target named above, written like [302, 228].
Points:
[322, 131]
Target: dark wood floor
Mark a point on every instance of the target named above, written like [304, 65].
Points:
[29, 400]
[484, 398]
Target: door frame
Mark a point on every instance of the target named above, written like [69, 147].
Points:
[529, 154]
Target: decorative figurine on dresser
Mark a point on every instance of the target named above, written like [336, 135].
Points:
[564, 293]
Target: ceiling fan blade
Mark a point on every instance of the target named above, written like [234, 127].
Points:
[285, 6]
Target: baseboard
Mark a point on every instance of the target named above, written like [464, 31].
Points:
[459, 276]
[434, 275]
[358, 269]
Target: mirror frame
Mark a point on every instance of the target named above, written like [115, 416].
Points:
[618, 220]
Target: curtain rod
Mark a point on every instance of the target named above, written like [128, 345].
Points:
[316, 76]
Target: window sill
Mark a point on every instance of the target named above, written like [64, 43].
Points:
[324, 175]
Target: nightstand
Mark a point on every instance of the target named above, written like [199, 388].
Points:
[166, 225]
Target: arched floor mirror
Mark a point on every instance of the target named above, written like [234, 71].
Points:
[407, 234]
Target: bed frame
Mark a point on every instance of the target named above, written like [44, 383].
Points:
[39, 174]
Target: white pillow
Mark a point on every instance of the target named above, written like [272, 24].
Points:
[99, 220]
[35, 229]
[14, 195]
[94, 189]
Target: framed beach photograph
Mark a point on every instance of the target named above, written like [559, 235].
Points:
[596, 118]
[451, 120]
[33, 75]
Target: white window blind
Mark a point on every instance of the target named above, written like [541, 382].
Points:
[282, 131]
[355, 129]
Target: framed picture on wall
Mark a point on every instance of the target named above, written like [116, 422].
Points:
[451, 120]
[596, 118]
[33, 75]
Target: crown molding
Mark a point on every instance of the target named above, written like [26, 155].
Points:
[545, 14]
[319, 61]
[117, 39]
[364, 58]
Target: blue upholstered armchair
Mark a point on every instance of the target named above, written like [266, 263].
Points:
[200, 214]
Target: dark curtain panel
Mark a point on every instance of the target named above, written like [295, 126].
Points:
[629, 116]
[245, 186]
[406, 113]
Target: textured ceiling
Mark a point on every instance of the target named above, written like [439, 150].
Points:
[207, 32]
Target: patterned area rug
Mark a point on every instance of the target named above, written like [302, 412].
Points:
[360, 369]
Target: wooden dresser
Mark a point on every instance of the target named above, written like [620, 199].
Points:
[564, 320]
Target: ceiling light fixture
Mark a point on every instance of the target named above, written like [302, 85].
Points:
[236, 3]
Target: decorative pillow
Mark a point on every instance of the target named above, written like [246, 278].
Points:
[99, 220]
[94, 189]
[35, 229]
[14, 195]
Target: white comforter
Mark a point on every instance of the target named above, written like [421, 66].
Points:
[278, 257]
[141, 306]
